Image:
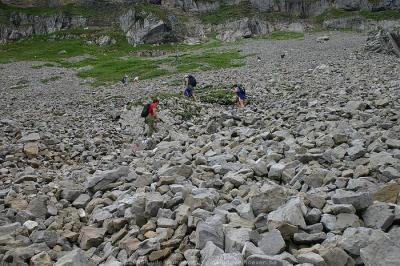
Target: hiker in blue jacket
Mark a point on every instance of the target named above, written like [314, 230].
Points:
[190, 84]
[240, 95]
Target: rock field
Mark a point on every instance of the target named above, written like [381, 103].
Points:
[308, 174]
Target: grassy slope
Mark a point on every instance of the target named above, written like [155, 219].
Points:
[110, 63]
[241, 10]
[377, 15]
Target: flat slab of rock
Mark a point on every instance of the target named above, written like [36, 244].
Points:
[100, 180]
[74, 258]
[360, 200]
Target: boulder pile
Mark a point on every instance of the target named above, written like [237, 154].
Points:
[308, 174]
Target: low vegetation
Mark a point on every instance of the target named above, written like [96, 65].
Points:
[242, 10]
[283, 35]
[110, 63]
[375, 15]
[50, 79]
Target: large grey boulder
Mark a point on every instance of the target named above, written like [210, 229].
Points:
[91, 237]
[334, 256]
[304, 238]
[154, 202]
[340, 222]
[360, 200]
[202, 198]
[268, 198]
[380, 250]
[141, 27]
[210, 250]
[250, 249]
[38, 207]
[271, 243]
[236, 238]
[101, 179]
[312, 258]
[266, 260]
[353, 239]
[292, 213]
[209, 232]
[225, 259]
[148, 245]
[75, 258]
[384, 41]
[379, 216]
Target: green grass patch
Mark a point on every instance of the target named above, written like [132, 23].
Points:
[242, 10]
[229, 12]
[111, 63]
[374, 15]
[333, 13]
[215, 95]
[43, 65]
[50, 79]
[284, 35]
[72, 9]
[380, 15]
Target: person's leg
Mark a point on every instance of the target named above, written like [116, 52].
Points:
[241, 104]
[151, 123]
[146, 125]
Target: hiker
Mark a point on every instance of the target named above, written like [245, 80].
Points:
[125, 80]
[151, 117]
[240, 95]
[190, 83]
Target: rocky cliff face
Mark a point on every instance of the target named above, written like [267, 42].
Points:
[22, 25]
[147, 27]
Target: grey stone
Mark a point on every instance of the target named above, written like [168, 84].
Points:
[267, 198]
[353, 239]
[75, 258]
[209, 232]
[335, 256]
[154, 202]
[360, 200]
[312, 258]
[147, 246]
[236, 238]
[304, 238]
[226, 259]
[255, 260]
[166, 223]
[271, 243]
[209, 251]
[81, 201]
[380, 250]
[340, 222]
[292, 212]
[91, 237]
[101, 179]
[379, 216]
[38, 207]
[313, 216]
[250, 249]
[339, 208]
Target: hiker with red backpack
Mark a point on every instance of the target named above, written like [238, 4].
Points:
[190, 84]
[151, 117]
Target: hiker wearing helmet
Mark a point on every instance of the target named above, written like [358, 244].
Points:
[151, 117]
[190, 84]
[240, 95]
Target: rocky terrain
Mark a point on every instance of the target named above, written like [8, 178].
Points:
[307, 174]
